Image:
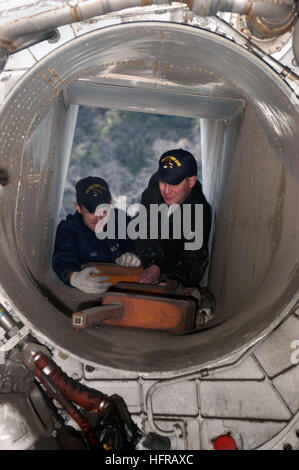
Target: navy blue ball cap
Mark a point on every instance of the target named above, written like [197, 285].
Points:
[176, 165]
[91, 192]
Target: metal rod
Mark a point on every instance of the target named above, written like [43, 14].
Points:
[7, 322]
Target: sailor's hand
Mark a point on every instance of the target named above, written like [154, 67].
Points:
[150, 275]
[83, 280]
[128, 260]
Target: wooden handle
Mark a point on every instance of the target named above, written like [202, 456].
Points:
[96, 315]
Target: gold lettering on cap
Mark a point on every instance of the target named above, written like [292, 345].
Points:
[168, 163]
[96, 189]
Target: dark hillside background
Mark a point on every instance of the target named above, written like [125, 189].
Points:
[124, 147]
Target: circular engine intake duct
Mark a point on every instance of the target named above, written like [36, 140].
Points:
[250, 141]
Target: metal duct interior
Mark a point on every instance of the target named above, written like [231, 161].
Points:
[250, 143]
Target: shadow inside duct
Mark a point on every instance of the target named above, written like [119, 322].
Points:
[4, 178]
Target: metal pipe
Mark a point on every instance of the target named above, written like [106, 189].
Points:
[90, 399]
[55, 393]
[7, 322]
[84, 9]
[270, 9]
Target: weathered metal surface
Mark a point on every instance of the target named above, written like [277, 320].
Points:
[251, 178]
[24, 29]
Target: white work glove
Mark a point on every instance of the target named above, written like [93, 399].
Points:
[83, 280]
[128, 260]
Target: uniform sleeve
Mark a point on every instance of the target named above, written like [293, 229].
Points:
[65, 258]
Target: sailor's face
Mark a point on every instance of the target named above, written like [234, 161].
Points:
[90, 219]
[176, 194]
